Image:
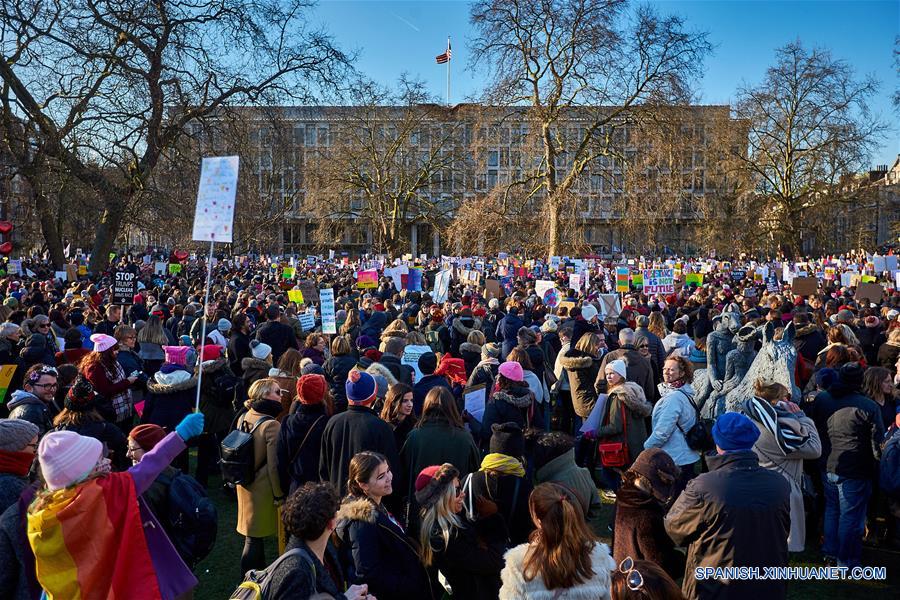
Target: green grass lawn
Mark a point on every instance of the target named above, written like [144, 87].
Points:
[219, 573]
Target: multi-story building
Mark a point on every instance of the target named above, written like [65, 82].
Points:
[285, 145]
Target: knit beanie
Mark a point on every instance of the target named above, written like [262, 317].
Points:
[224, 325]
[16, 433]
[311, 389]
[260, 350]
[490, 350]
[512, 370]
[210, 352]
[360, 387]
[176, 355]
[364, 341]
[851, 375]
[103, 342]
[588, 312]
[734, 431]
[67, 458]
[431, 482]
[508, 439]
[618, 366]
[660, 471]
[81, 395]
[147, 436]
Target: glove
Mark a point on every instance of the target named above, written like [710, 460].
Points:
[190, 427]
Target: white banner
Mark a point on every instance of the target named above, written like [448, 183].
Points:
[214, 215]
[326, 299]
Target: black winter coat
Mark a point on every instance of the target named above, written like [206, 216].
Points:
[375, 550]
[238, 350]
[507, 333]
[851, 429]
[736, 515]
[166, 405]
[279, 336]
[423, 386]
[471, 355]
[294, 578]
[299, 445]
[402, 373]
[336, 370]
[473, 559]
[511, 502]
[513, 405]
[348, 433]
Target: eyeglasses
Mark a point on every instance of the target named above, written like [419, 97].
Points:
[132, 450]
[44, 326]
[633, 579]
[45, 385]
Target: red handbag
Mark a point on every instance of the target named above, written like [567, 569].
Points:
[615, 454]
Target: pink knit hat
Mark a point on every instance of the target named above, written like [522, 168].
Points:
[512, 370]
[67, 458]
[103, 342]
[176, 355]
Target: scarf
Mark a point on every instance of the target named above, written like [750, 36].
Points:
[15, 463]
[271, 408]
[503, 464]
[786, 430]
[88, 542]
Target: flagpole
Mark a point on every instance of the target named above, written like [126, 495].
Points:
[448, 73]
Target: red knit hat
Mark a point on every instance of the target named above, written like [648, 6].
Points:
[147, 436]
[210, 352]
[311, 388]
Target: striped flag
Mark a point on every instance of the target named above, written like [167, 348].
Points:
[445, 57]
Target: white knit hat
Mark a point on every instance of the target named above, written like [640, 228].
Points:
[588, 312]
[67, 458]
[260, 350]
[618, 366]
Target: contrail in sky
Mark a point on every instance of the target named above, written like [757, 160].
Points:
[413, 27]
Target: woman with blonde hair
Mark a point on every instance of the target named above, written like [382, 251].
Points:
[257, 514]
[468, 554]
[562, 558]
[658, 324]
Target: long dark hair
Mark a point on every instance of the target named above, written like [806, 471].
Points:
[390, 413]
[440, 405]
[362, 465]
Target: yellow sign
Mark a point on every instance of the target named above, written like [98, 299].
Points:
[6, 375]
[295, 296]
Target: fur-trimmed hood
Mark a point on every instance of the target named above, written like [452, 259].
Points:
[397, 334]
[516, 587]
[634, 398]
[520, 397]
[806, 330]
[212, 366]
[171, 383]
[473, 348]
[575, 360]
[463, 329]
[357, 509]
[251, 363]
[379, 369]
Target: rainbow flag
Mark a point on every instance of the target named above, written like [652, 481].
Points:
[89, 543]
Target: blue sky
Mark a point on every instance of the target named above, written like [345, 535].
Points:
[393, 37]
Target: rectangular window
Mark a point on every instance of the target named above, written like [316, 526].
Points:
[493, 158]
[491, 179]
[310, 135]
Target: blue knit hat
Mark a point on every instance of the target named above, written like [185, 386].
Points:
[360, 387]
[734, 431]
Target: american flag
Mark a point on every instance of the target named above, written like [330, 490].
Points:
[445, 57]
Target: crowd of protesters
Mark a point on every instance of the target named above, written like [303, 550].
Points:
[380, 475]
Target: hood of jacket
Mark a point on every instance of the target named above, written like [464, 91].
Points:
[574, 360]
[169, 383]
[357, 509]
[21, 397]
[379, 369]
[251, 363]
[634, 398]
[805, 330]
[465, 325]
[213, 366]
[678, 340]
[468, 347]
[520, 397]
[557, 466]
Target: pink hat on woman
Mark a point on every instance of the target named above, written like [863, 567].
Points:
[103, 342]
[67, 458]
[176, 355]
[512, 370]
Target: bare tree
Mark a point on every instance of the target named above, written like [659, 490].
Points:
[391, 165]
[589, 62]
[809, 125]
[98, 77]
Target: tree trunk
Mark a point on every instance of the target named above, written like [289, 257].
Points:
[107, 230]
[49, 229]
[554, 235]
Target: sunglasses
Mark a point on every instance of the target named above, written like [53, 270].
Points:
[633, 579]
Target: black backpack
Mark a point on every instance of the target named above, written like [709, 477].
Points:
[237, 459]
[192, 519]
[226, 390]
[699, 436]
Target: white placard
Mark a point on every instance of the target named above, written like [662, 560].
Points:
[475, 400]
[326, 300]
[214, 215]
[411, 356]
[15, 266]
[441, 286]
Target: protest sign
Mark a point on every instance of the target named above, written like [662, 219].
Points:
[309, 289]
[6, 375]
[804, 286]
[441, 286]
[159, 268]
[414, 279]
[610, 305]
[869, 291]
[307, 320]
[475, 400]
[659, 281]
[72, 272]
[621, 279]
[295, 296]
[326, 299]
[411, 356]
[694, 279]
[637, 279]
[542, 287]
[61, 275]
[174, 268]
[15, 266]
[124, 288]
[215, 199]
[367, 279]
[738, 274]
[287, 273]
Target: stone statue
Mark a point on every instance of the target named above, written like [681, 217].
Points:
[774, 362]
[718, 344]
[737, 363]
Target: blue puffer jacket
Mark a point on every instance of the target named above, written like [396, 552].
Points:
[507, 333]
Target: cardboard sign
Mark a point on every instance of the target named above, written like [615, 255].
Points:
[659, 281]
[441, 286]
[124, 288]
[329, 324]
[492, 288]
[214, 214]
[869, 291]
[295, 296]
[309, 289]
[804, 286]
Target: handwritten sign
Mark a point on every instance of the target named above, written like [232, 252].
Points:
[326, 298]
[214, 214]
[659, 281]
